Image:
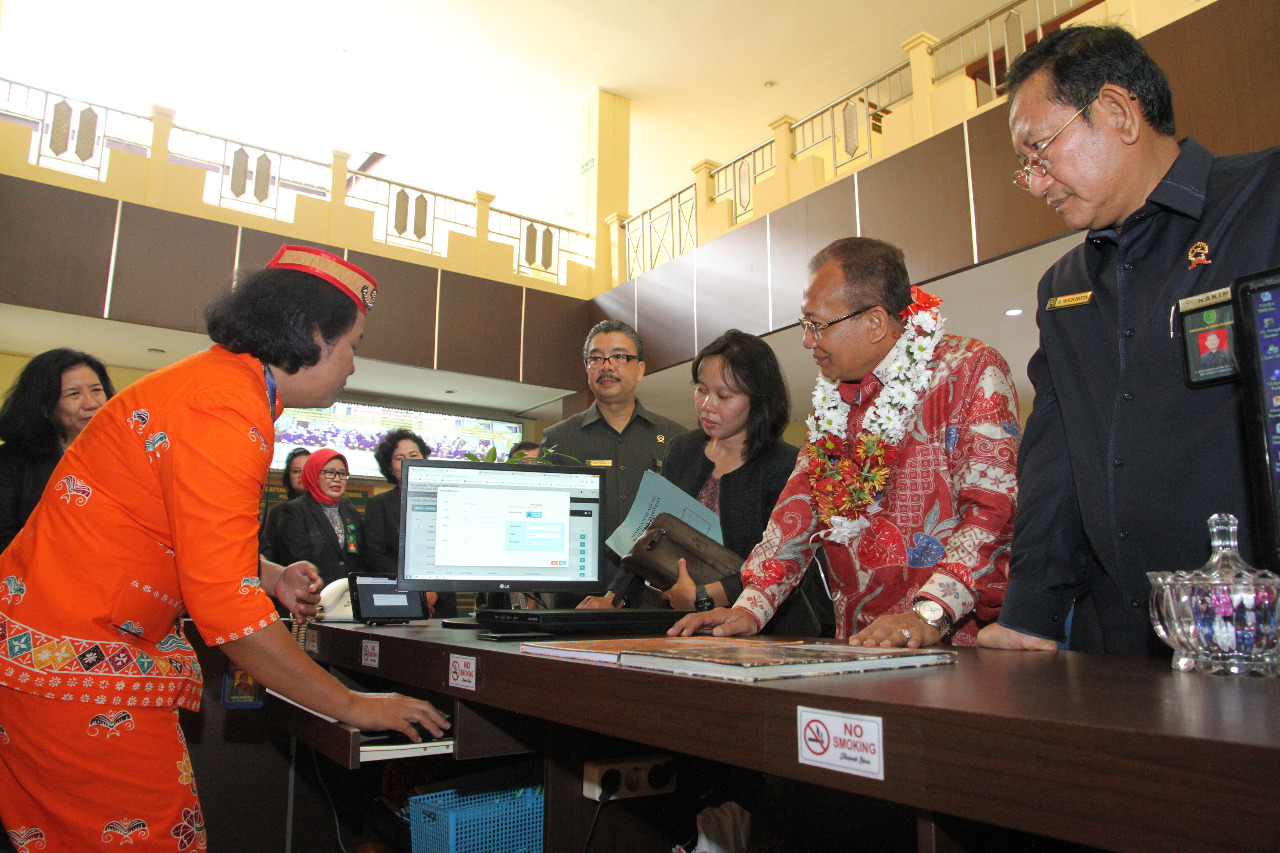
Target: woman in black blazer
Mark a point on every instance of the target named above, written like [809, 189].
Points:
[737, 464]
[382, 515]
[291, 479]
[321, 526]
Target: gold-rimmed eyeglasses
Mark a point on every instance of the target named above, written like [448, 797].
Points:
[816, 329]
[1034, 165]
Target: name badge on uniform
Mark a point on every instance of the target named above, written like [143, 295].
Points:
[1208, 339]
[1069, 301]
[600, 463]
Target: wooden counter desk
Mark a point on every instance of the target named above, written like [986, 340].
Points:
[1116, 753]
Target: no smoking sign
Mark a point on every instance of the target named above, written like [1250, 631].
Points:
[462, 672]
[849, 743]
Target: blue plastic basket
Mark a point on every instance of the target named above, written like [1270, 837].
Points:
[477, 820]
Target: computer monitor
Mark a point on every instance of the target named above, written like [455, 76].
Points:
[1257, 313]
[497, 527]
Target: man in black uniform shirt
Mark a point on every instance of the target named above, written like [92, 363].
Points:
[1122, 463]
[616, 432]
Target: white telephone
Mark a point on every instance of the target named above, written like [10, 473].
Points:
[335, 602]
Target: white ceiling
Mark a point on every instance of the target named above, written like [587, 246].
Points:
[485, 95]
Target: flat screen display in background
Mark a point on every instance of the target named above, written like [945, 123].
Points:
[354, 429]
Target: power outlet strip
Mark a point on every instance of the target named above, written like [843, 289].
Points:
[639, 777]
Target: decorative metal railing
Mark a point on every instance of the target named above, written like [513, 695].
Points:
[665, 231]
[247, 178]
[848, 123]
[408, 216]
[738, 178]
[72, 136]
[999, 38]
[543, 250]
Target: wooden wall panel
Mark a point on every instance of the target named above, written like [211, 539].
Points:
[1008, 218]
[919, 200]
[479, 327]
[664, 308]
[554, 328]
[169, 266]
[401, 326]
[1222, 63]
[259, 247]
[799, 231]
[55, 247]
[733, 283]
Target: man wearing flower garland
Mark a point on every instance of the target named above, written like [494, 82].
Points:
[907, 480]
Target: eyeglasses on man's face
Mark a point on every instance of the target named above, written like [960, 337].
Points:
[816, 329]
[1034, 165]
[330, 474]
[618, 359]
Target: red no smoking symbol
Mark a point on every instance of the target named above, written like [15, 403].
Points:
[816, 737]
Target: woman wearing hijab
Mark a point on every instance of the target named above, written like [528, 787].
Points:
[322, 527]
[150, 517]
[291, 479]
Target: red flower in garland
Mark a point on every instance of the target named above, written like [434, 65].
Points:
[847, 477]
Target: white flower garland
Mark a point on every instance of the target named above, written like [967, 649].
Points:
[906, 378]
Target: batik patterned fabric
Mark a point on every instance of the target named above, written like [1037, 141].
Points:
[945, 518]
[124, 778]
[151, 515]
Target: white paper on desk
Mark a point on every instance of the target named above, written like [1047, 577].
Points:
[661, 495]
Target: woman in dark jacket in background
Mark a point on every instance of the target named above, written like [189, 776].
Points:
[736, 464]
[322, 527]
[49, 404]
[291, 479]
[382, 515]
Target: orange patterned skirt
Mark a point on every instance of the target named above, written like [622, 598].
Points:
[81, 776]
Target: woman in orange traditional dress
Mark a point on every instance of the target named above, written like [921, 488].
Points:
[152, 515]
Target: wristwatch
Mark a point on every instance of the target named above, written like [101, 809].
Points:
[932, 614]
[702, 600]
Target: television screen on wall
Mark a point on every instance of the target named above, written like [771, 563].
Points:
[354, 429]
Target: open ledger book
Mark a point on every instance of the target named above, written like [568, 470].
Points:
[763, 661]
[738, 658]
[607, 651]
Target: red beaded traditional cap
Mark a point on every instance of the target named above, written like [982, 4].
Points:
[349, 278]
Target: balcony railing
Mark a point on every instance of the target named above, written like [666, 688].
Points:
[738, 178]
[998, 39]
[665, 231]
[244, 177]
[408, 216]
[849, 122]
[72, 136]
[543, 250]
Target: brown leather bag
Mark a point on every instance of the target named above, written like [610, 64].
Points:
[667, 539]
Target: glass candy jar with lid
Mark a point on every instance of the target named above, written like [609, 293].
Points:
[1220, 618]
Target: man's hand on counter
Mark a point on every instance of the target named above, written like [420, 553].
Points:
[296, 587]
[720, 622]
[997, 636]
